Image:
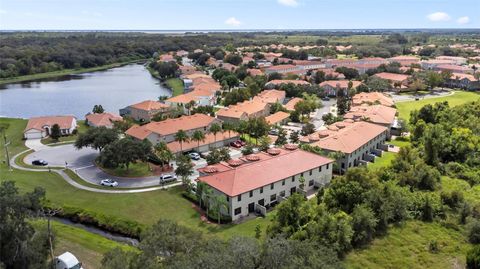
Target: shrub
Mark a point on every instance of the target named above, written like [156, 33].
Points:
[473, 231]
[473, 258]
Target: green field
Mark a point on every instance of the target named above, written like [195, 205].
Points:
[87, 247]
[139, 169]
[407, 247]
[382, 162]
[458, 98]
[176, 85]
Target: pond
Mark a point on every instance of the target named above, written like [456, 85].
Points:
[77, 94]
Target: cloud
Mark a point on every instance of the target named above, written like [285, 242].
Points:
[463, 20]
[2, 11]
[438, 16]
[232, 21]
[288, 3]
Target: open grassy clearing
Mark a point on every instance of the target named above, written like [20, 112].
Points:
[458, 98]
[176, 85]
[408, 247]
[382, 162]
[139, 169]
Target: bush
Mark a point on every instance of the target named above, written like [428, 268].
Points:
[473, 231]
[453, 199]
[473, 258]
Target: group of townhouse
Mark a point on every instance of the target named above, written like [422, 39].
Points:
[255, 182]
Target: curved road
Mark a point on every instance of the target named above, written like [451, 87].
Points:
[80, 186]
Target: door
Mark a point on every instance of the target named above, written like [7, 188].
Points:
[293, 190]
[251, 207]
[261, 202]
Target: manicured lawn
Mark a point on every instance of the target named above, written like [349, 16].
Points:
[383, 161]
[139, 169]
[407, 247]
[81, 127]
[176, 85]
[87, 247]
[458, 98]
[14, 132]
[399, 143]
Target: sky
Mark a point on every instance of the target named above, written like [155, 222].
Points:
[236, 14]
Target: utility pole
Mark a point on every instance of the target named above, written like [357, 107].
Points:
[7, 156]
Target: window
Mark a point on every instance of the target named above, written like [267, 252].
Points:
[261, 190]
[238, 211]
[343, 165]
[320, 169]
[228, 199]
[251, 193]
[327, 165]
[239, 197]
[273, 197]
[282, 193]
[293, 179]
[310, 172]
[283, 182]
[272, 186]
[310, 183]
[301, 174]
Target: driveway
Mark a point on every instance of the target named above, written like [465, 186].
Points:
[411, 97]
[326, 108]
[35, 144]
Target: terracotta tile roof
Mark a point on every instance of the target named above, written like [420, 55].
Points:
[351, 137]
[166, 58]
[37, 123]
[255, 174]
[453, 67]
[392, 76]
[272, 96]
[376, 114]
[372, 97]
[103, 119]
[277, 117]
[255, 72]
[170, 126]
[248, 108]
[287, 81]
[290, 106]
[282, 67]
[209, 139]
[149, 105]
[404, 58]
[342, 84]
[461, 76]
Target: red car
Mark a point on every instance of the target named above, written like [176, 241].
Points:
[235, 144]
[243, 143]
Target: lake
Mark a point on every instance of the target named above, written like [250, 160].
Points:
[77, 94]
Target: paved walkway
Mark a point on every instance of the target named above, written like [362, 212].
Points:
[35, 144]
[83, 187]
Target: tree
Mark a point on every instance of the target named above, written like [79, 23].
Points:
[21, 246]
[364, 224]
[281, 138]
[308, 128]
[342, 102]
[181, 137]
[215, 129]
[294, 137]
[165, 69]
[198, 136]
[55, 132]
[473, 231]
[163, 153]
[220, 204]
[98, 109]
[264, 144]
[349, 73]
[97, 138]
[124, 152]
[233, 59]
[184, 169]
[434, 79]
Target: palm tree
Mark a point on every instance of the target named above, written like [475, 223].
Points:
[228, 126]
[181, 136]
[163, 152]
[214, 129]
[201, 189]
[208, 195]
[220, 203]
[198, 136]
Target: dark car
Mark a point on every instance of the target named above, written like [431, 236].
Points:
[40, 162]
[235, 144]
[326, 98]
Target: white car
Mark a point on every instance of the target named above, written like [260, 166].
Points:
[167, 178]
[109, 182]
[194, 156]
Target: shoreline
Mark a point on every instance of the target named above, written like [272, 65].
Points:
[65, 72]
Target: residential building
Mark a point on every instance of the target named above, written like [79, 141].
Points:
[371, 98]
[359, 141]
[278, 82]
[257, 107]
[430, 64]
[145, 111]
[463, 81]
[166, 58]
[453, 68]
[40, 127]
[331, 87]
[309, 65]
[405, 60]
[278, 118]
[255, 182]
[164, 131]
[105, 119]
[272, 96]
[290, 105]
[210, 142]
[455, 59]
[284, 69]
[255, 72]
[378, 114]
[396, 80]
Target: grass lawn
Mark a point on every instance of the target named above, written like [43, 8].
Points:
[407, 247]
[399, 143]
[458, 98]
[471, 194]
[176, 85]
[81, 127]
[383, 161]
[140, 169]
[14, 132]
[87, 247]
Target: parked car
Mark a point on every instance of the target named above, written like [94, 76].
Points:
[167, 178]
[194, 156]
[273, 132]
[40, 162]
[243, 143]
[109, 183]
[326, 98]
[235, 144]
